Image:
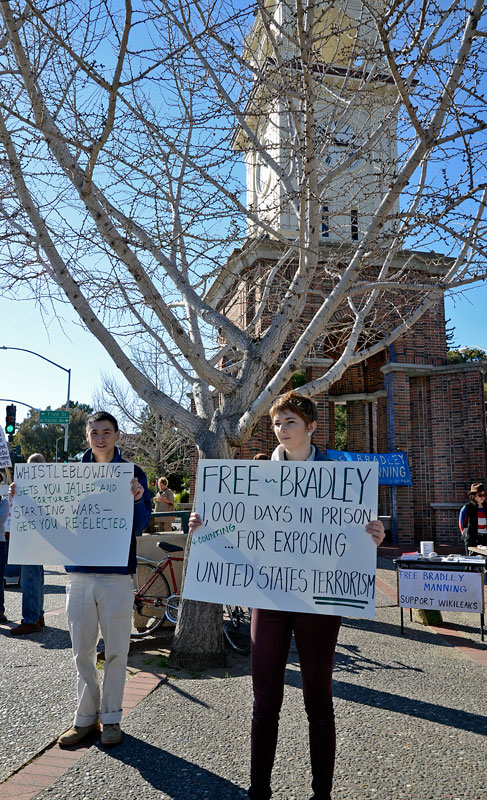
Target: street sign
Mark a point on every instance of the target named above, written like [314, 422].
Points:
[54, 417]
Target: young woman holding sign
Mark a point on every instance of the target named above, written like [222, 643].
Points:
[294, 420]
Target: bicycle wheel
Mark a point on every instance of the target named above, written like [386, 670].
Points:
[172, 607]
[233, 616]
[150, 607]
[239, 640]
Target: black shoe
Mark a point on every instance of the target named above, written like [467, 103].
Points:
[25, 628]
[3, 618]
[41, 622]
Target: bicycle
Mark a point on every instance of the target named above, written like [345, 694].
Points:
[153, 599]
[236, 627]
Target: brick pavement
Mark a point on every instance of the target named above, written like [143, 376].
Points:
[42, 771]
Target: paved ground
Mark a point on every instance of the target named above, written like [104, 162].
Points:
[410, 716]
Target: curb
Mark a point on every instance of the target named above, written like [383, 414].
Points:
[471, 650]
[45, 767]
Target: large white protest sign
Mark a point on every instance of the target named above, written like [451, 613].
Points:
[285, 535]
[74, 514]
[440, 589]
[4, 451]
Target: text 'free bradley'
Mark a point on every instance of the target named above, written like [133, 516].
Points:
[345, 484]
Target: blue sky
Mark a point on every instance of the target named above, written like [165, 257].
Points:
[31, 380]
[28, 379]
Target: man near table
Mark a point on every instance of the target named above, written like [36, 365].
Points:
[103, 597]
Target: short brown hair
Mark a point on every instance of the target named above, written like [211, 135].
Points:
[304, 407]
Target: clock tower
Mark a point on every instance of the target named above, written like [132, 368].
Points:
[352, 140]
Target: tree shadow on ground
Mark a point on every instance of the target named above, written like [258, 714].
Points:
[177, 689]
[174, 776]
[47, 638]
[54, 639]
[420, 634]
[388, 701]
[432, 712]
[349, 659]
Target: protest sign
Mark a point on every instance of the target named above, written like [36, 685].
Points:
[74, 514]
[4, 451]
[440, 589]
[393, 467]
[286, 535]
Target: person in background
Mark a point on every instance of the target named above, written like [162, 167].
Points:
[473, 517]
[294, 419]
[4, 509]
[164, 501]
[32, 586]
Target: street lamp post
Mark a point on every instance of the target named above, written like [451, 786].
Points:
[24, 350]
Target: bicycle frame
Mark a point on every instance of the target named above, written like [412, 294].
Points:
[158, 570]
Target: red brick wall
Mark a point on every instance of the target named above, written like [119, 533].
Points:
[447, 450]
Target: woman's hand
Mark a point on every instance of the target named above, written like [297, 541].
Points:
[375, 529]
[195, 522]
[11, 490]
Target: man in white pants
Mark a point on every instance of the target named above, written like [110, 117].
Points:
[102, 597]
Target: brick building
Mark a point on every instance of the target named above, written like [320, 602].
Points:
[408, 397]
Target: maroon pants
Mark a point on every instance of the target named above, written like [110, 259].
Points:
[315, 636]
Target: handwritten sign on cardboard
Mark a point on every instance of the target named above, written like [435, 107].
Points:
[74, 514]
[440, 589]
[285, 535]
[4, 451]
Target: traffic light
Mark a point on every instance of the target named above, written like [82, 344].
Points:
[10, 419]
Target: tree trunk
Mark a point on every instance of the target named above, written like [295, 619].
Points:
[198, 640]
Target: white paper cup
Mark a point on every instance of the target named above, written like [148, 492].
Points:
[426, 548]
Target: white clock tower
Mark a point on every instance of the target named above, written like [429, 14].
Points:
[353, 140]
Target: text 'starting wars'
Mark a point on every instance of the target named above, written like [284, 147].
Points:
[74, 514]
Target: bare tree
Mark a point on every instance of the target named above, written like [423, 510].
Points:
[123, 129]
[146, 437]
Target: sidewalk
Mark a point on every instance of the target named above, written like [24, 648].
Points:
[410, 715]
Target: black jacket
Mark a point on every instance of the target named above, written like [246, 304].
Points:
[470, 526]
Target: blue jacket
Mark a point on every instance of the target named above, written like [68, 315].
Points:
[142, 515]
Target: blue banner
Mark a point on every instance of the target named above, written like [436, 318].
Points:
[393, 467]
